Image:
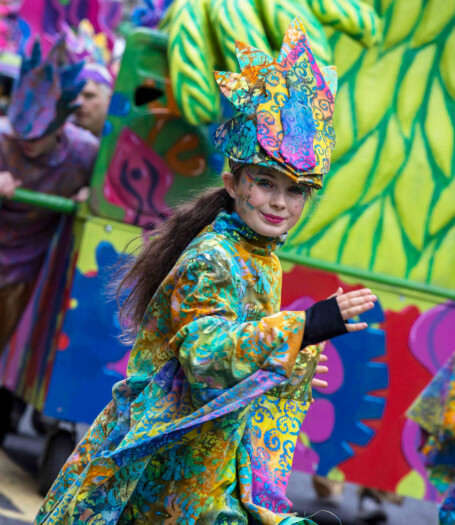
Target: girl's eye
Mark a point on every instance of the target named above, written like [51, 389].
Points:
[298, 190]
[264, 183]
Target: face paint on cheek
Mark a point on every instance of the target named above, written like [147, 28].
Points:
[245, 180]
[242, 196]
[300, 205]
[243, 199]
[301, 198]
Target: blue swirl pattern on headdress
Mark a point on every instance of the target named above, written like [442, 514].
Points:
[286, 107]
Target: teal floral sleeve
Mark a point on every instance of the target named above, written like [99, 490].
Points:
[214, 347]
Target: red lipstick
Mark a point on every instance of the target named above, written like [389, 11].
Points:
[273, 218]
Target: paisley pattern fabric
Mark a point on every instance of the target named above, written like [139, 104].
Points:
[204, 427]
[434, 411]
[288, 104]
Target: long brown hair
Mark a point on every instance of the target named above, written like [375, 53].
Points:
[144, 274]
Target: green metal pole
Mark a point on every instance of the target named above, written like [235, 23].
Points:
[44, 200]
[365, 275]
[65, 205]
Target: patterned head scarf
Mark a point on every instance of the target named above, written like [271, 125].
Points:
[285, 106]
[45, 93]
[97, 73]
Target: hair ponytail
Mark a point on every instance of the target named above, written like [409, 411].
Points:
[158, 255]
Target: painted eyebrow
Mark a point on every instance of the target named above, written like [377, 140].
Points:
[260, 174]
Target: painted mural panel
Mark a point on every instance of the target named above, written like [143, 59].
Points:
[374, 376]
[159, 159]
[90, 358]
[387, 207]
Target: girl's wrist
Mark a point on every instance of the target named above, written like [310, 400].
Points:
[323, 322]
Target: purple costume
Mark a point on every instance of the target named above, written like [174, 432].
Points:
[44, 96]
[25, 231]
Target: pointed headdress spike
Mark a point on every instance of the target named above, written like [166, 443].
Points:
[286, 108]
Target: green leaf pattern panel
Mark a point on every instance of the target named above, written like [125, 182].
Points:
[202, 35]
[388, 204]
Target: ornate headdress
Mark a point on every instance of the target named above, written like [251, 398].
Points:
[95, 49]
[45, 93]
[286, 108]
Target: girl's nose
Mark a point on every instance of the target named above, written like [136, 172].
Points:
[277, 200]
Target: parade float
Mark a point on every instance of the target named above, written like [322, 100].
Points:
[393, 230]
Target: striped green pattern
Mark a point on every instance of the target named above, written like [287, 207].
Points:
[388, 202]
[202, 36]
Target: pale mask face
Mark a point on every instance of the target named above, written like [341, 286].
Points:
[269, 202]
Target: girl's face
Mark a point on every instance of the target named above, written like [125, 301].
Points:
[269, 202]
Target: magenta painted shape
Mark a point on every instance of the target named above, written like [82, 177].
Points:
[137, 180]
[121, 365]
[305, 459]
[431, 336]
[410, 443]
[302, 303]
[335, 375]
[320, 420]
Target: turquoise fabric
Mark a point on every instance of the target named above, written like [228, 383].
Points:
[204, 427]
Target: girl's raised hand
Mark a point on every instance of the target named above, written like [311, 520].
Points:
[354, 303]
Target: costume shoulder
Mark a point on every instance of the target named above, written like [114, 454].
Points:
[210, 250]
[82, 142]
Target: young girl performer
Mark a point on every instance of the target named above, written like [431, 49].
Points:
[203, 428]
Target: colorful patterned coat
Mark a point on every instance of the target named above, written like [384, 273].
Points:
[434, 411]
[204, 427]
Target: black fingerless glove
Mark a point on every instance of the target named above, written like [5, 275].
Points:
[323, 321]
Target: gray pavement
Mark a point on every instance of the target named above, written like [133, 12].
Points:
[19, 456]
[19, 498]
[301, 493]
